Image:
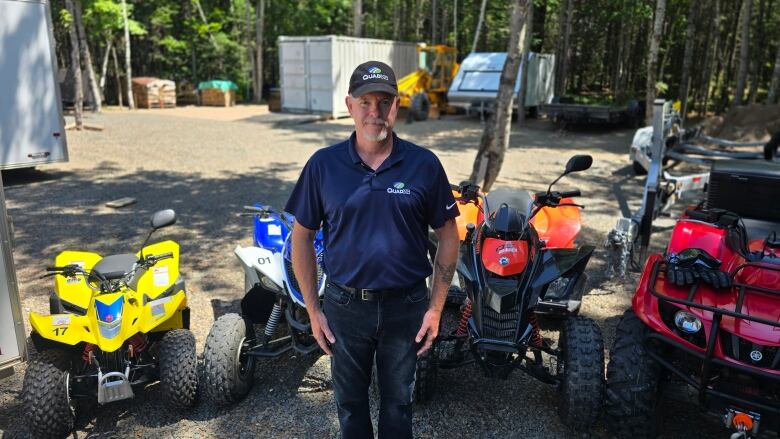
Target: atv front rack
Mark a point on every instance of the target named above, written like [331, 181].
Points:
[707, 357]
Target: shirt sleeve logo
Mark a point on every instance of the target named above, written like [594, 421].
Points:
[398, 188]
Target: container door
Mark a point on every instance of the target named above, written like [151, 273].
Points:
[292, 71]
[12, 335]
[31, 124]
[320, 82]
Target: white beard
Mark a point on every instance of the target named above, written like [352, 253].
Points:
[378, 137]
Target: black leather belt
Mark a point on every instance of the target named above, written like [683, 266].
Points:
[374, 294]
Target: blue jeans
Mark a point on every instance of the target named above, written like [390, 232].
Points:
[362, 329]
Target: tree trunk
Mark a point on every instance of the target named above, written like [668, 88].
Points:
[758, 55]
[418, 21]
[249, 41]
[117, 75]
[357, 18]
[687, 58]
[75, 62]
[652, 58]
[495, 137]
[713, 58]
[526, 38]
[85, 55]
[567, 15]
[455, 26]
[104, 66]
[128, 69]
[259, 42]
[744, 46]
[396, 20]
[433, 22]
[479, 26]
[772, 96]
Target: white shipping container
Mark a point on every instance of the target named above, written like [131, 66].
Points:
[31, 124]
[13, 344]
[314, 71]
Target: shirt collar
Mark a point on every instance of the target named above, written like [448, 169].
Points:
[396, 155]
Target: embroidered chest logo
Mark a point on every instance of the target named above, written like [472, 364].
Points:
[398, 188]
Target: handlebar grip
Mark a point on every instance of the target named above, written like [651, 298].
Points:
[697, 215]
[165, 256]
[53, 268]
[256, 209]
[454, 187]
[569, 194]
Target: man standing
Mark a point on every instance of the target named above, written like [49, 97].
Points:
[374, 196]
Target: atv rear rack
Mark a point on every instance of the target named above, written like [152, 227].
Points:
[708, 356]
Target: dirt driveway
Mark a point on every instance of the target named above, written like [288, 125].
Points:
[206, 168]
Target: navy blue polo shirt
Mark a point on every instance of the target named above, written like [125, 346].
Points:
[375, 224]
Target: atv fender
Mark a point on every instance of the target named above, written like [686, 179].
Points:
[66, 329]
[257, 260]
[560, 261]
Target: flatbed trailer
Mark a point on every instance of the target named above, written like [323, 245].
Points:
[563, 113]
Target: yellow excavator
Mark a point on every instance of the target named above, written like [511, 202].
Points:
[424, 92]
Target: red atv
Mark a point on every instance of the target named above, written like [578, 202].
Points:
[706, 313]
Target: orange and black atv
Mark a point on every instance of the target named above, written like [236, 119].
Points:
[521, 271]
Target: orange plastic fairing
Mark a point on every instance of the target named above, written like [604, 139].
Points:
[470, 213]
[505, 258]
[558, 226]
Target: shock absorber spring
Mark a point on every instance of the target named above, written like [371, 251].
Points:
[536, 336]
[88, 349]
[273, 320]
[135, 345]
[464, 318]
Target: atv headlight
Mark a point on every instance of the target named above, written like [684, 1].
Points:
[687, 322]
[268, 283]
[110, 317]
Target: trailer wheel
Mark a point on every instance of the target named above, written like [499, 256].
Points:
[420, 106]
[581, 391]
[45, 392]
[228, 373]
[632, 381]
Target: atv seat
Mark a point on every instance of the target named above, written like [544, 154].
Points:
[115, 266]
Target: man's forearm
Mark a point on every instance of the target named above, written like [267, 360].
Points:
[444, 269]
[305, 268]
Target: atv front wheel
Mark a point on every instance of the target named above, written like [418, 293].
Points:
[46, 394]
[425, 375]
[632, 381]
[581, 390]
[179, 368]
[228, 373]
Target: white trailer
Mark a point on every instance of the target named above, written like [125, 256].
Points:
[476, 84]
[314, 71]
[12, 335]
[32, 129]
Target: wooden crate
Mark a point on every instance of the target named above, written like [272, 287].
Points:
[154, 93]
[217, 98]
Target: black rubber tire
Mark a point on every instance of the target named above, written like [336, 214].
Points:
[225, 379]
[50, 413]
[581, 391]
[425, 375]
[632, 382]
[420, 106]
[179, 368]
[638, 169]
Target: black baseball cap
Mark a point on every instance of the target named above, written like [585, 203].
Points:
[372, 76]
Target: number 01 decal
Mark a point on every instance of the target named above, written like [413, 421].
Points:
[263, 261]
[59, 331]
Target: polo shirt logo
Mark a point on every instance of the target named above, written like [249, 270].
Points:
[398, 188]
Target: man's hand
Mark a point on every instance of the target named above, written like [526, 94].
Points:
[321, 331]
[428, 330]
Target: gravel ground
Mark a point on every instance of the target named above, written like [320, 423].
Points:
[206, 168]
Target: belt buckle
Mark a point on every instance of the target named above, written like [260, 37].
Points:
[363, 294]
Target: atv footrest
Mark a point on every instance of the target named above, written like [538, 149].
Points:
[113, 386]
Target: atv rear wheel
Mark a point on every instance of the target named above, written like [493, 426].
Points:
[179, 368]
[228, 373]
[46, 394]
[581, 390]
[632, 381]
[425, 374]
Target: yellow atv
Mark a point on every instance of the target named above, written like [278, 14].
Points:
[116, 322]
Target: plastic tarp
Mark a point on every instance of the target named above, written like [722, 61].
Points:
[218, 84]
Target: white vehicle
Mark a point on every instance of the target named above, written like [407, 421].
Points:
[32, 131]
[475, 86]
[232, 346]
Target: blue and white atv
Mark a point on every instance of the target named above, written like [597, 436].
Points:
[271, 294]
